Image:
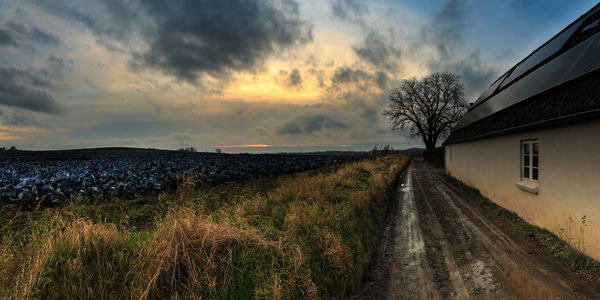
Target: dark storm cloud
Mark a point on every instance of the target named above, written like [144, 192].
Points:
[190, 38]
[214, 37]
[56, 66]
[311, 124]
[367, 111]
[445, 32]
[115, 19]
[349, 10]
[356, 78]
[33, 34]
[295, 79]
[446, 29]
[41, 36]
[475, 75]
[6, 39]
[376, 51]
[344, 75]
[25, 89]
[21, 119]
[55, 62]
[290, 128]
[382, 80]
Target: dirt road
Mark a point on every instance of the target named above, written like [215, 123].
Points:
[438, 245]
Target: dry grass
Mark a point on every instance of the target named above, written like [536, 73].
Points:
[194, 256]
[45, 263]
[306, 235]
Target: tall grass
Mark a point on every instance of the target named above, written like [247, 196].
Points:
[306, 235]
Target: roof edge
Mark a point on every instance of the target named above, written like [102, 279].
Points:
[581, 117]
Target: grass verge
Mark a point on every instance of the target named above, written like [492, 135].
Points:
[305, 235]
[580, 262]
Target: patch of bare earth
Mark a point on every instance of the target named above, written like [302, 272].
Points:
[440, 245]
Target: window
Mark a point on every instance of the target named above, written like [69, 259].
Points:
[530, 162]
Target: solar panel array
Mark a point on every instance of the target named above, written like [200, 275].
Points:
[547, 67]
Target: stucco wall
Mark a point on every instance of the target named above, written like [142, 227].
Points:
[569, 178]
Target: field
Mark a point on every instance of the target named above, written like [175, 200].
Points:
[32, 179]
[308, 234]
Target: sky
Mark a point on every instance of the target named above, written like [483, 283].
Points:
[245, 75]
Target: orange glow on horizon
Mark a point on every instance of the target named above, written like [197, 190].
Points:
[8, 133]
[5, 136]
[280, 145]
[245, 146]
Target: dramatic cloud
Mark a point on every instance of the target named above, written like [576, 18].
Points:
[21, 119]
[24, 89]
[349, 10]
[34, 34]
[170, 74]
[311, 124]
[56, 66]
[213, 37]
[344, 75]
[359, 80]
[382, 80]
[445, 32]
[6, 39]
[476, 76]
[192, 38]
[376, 51]
[112, 19]
[295, 79]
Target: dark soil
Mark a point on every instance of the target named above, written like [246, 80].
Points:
[441, 244]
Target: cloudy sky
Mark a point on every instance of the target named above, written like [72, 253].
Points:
[287, 75]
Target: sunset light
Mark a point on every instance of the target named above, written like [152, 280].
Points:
[244, 146]
[299, 149]
[96, 73]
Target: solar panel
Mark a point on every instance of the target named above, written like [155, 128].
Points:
[574, 63]
[591, 26]
[543, 53]
[491, 89]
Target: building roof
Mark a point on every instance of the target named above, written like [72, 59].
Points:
[559, 82]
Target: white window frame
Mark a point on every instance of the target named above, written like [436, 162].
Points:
[529, 156]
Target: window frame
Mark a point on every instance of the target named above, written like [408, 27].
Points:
[529, 159]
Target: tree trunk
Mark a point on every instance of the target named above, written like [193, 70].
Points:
[429, 145]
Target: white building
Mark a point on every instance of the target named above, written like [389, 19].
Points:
[531, 142]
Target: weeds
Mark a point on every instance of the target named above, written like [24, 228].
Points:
[305, 235]
[577, 242]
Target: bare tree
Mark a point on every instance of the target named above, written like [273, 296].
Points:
[427, 108]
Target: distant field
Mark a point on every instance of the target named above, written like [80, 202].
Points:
[134, 149]
[302, 235]
[98, 150]
[29, 180]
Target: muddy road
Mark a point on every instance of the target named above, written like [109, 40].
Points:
[438, 245]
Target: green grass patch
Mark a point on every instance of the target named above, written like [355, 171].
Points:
[303, 235]
[579, 261]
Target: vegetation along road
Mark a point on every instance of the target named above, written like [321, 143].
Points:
[441, 244]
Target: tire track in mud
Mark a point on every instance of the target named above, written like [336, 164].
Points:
[448, 238]
[440, 246]
[410, 270]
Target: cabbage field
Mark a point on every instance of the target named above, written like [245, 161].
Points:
[34, 179]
